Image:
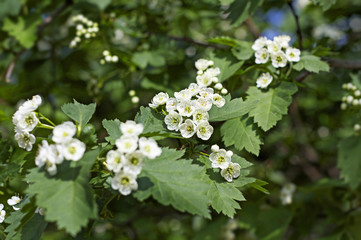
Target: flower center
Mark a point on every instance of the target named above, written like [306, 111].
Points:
[117, 160]
[72, 150]
[221, 159]
[29, 120]
[134, 161]
[125, 181]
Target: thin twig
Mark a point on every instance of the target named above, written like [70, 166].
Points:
[340, 63]
[252, 27]
[299, 33]
[192, 41]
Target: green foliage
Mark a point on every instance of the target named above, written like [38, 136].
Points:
[226, 63]
[232, 109]
[151, 121]
[176, 182]
[325, 4]
[79, 112]
[113, 129]
[67, 197]
[239, 132]
[349, 150]
[311, 63]
[239, 10]
[269, 106]
[243, 50]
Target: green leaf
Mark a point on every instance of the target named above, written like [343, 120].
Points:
[151, 121]
[240, 133]
[311, 63]
[176, 182]
[325, 4]
[113, 129]
[100, 4]
[223, 195]
[67, 197]
[4, 150]
[243, 50]
[239, 10]
[226, 63]
[24, 31]
[79, 112]
[9, 7]
[143, 59]
[271, 105]
[349, 152]
[228, 41]
[232, 109]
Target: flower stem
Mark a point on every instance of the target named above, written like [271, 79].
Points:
[205, 154]
[41, 125]
[46, 119]
[289, 70]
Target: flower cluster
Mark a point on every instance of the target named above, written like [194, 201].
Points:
[287, 193]
[353, 98]
[108, 57]
[12, 202]
[25, 120]
[127, 161]
[85, 29]
[278, 51]
[187, 111]
[64, 147]
[221, 158]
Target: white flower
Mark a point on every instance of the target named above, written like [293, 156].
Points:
[204, 130]
[171, 104]
[209, 76]
[134, 162]
[186, 108]
[64, 132]
[218, 86]
[262, 56]
[282, 40]
[293, 54]
[203, 64]
[185, 94]
[173, 120]
[264, 80]
[259, 43]
[115, 161]
[25, 140]
[127, 144]
[31, 105]
[131, 128]
[159, 99]
[218, 100]
[73, 149]
[206, 93]
[200, 115]
[273, 47]
[2, 213]
[49, 155]
[13, 201]
[220, 159]
[149, 147]
[279, 59]
[193, 89]
[125, 182]
[25, 121]
[188, 128]
[204, 104]
[232, 171]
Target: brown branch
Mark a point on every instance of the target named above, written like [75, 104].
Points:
[299, 33]
[252, 27]
[341, 63]
[192, 41]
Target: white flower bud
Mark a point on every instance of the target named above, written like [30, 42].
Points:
[343, 106]
[357, 127]
[344, 86]
[229, 153]
[131, 93]
[108, 58]
[87, 35]
[357, 93]
[135, 99]
[355, 102]
[218, 86]
[215, 148]
[106, 53]
[349, 99]
[224, 91]
[115, 59]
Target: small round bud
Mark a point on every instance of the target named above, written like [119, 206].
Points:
[357, 93]
[349, 99]
[224, 91]
[115, 59]
[79, 27]
[135, 99]
[214, 79]
[218, 86]
[344, 86]
[131, 93]
[344, 99]
[102, 61]
[108, 58]
[353, 87]
[357, 127]
[106, 53]
[343, 106]
[349, 86]
[229, 153]
[199, 72]
[77, 39]
[215, 148]
[211, 63]
[87, 35]
[355, 102]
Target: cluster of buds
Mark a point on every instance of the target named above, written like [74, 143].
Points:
[134, 97]
[353, 97]
[287, 192]
[108, 58]
[85, 29]
[222, 159]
